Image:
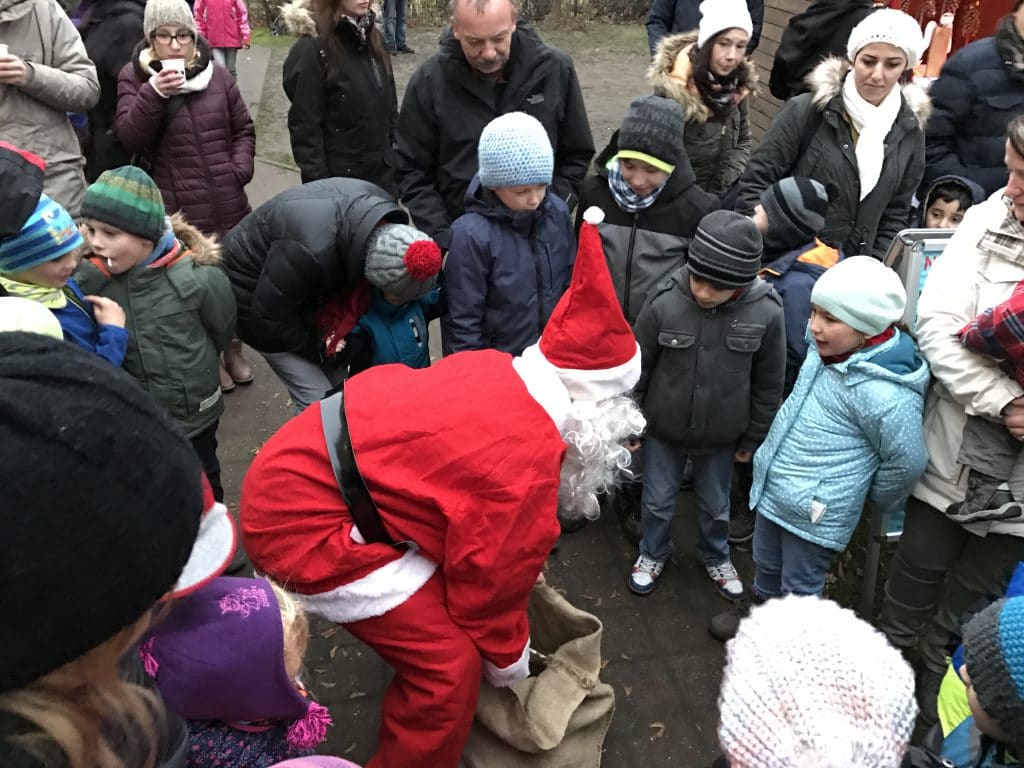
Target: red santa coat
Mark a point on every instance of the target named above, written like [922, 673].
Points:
[460, 460]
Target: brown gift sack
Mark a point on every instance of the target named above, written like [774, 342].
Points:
[557, 717]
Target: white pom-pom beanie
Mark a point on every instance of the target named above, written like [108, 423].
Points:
[719, 15]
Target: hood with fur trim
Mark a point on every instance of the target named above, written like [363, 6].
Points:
[826, 83]
[298, 18]
[670, 76]
[205, 250]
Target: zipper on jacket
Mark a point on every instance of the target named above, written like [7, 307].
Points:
[538, 276]
[629, 265]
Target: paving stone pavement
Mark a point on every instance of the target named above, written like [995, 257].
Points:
[664, 666]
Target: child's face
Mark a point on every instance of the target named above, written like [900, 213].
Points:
[985, 722]
[526, 197]
[760, 219]
[708, 295]
[943, 214]
[120, 250]
[49, 274]
[643, 178]
[833, 336]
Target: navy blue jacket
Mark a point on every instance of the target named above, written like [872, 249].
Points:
[974, 98]
[78, 322]
[504, 272]
[668, 17]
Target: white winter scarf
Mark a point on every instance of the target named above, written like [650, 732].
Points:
[194, 84]
[872, 125]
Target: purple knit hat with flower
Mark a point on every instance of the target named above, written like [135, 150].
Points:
[219, 655]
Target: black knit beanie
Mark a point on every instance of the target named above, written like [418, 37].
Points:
[994, 655]
[101, 504]
[796, 208]
[21, 184]
[652, 132]
[726, 250]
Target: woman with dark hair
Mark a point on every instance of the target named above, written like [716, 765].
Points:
[708, 73]
[344, 105]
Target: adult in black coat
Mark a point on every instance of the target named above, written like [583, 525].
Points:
[670, 17]
[301, 247]
[980, 89]
[819, 32]
[343, 101]
[488, 64]
[110, 30]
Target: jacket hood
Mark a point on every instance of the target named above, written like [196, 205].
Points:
[896, 360]
[814, 258]
[205, 250]
[976, 191]
[298, 18]
[14, 9]
[669, 76]
[826, 83]
[485, 202]
[681, 178]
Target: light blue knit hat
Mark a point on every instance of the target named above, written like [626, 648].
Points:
[515, 150]
[49, 233]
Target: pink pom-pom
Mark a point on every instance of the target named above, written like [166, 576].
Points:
[311, 729]
[422, 259]
[149, 662]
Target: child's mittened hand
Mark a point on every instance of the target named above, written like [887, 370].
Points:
[107, 311]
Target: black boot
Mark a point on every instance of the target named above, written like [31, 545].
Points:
[726, 624]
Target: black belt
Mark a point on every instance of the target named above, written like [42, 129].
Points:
[343, 461]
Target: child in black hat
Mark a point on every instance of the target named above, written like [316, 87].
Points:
[713, 344]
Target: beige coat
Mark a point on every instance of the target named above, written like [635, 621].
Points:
[973, 274]
[62, 79]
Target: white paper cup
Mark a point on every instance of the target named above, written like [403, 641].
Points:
[178, 65]
[3, 49]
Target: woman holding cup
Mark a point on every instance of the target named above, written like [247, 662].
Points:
[182, 115]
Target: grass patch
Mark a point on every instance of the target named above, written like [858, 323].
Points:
[582, 37]
[261, 36]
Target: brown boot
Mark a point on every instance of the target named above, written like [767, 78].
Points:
[236, 364]
[227, 384]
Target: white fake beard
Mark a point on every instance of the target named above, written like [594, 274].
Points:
[597, 458]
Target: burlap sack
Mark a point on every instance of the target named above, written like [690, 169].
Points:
[558, 717]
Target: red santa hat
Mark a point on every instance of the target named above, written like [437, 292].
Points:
[587, 338]
[213, 549]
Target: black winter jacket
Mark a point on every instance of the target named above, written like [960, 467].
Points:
[343, 126]
[669, 17]
[812, 137]
[447, 105]
[975, 97]
[110, 31]
[644, 248]
[711, 379]
[297, 248]
[819, 32]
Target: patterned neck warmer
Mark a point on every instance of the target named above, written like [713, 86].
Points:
[362, 25]
[720, 94]
[625, 197]
[51, 298]
[1009, 43]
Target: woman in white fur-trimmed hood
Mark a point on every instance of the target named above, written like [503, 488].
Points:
[861, 129]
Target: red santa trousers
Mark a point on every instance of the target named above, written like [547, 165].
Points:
[428, 708]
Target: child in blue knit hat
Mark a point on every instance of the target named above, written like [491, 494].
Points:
[37, 264]
[511, 254]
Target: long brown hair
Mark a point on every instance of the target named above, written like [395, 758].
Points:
[328, 14]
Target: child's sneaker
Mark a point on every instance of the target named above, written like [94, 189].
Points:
[726, 580]
[646, 571]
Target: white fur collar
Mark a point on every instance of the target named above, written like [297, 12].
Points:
[826, 82]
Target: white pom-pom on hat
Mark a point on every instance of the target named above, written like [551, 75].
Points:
[593, 215]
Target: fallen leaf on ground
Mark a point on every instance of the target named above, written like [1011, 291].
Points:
[357, 694]
[327, 685]
[658, 730]
[628, 690]
[334, 650]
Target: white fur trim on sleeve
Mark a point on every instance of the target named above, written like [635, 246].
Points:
[376, 593]
[502, 677]
[601, 383]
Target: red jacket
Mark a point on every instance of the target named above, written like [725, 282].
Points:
[224, 23]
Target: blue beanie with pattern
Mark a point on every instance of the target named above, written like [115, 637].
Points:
[515, 150]
[994, 655]
[48, 234]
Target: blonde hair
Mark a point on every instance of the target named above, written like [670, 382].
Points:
[296, 630]
[81, 713]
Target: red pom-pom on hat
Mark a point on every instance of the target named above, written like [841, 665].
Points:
[422, 259]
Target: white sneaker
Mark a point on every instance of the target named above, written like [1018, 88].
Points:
[646, 571]
[726, 580]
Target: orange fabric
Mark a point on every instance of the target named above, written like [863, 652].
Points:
[821, 255]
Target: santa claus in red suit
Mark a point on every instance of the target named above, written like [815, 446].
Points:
[418, 509]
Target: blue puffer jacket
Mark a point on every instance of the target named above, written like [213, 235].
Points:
[976, 95]
[398, 332]
[504, 272]
[849, 431]
[78, 321]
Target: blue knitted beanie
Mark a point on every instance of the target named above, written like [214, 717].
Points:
[514, 151]
[49, 233]
[994, 655]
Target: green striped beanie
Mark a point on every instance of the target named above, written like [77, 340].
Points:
[126, 198]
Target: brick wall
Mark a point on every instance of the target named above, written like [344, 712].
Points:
[776, 16]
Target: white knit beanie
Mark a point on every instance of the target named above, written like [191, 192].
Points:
[719, 15]
[888, 26]
[808, 684]
[863, 293]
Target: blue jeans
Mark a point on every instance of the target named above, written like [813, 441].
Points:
[395, 24]
[785, 563]
[712, 477]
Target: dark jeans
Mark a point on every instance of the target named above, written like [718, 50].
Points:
[786, 564]
[938, 572]
[205, 445]
[395, 25]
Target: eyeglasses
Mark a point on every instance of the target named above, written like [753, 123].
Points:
[183, 38]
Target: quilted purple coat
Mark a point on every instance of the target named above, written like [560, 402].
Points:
[200, 145]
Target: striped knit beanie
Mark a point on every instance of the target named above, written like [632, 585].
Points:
[401, 261]
[514, 151]
[127, 198]
[994, 655]
[49, 233]
[726, 250]
[796, 208]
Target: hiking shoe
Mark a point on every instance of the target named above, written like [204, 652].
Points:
[405, 49]
[726, 580]
[726, 624]
[741, 526]
[646, 571]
